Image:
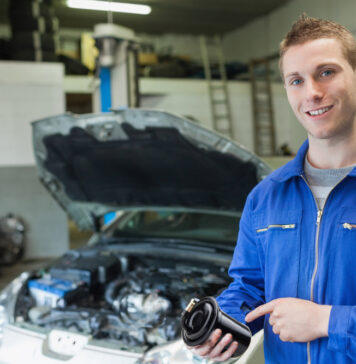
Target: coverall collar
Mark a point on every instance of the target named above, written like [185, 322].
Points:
[295, 167]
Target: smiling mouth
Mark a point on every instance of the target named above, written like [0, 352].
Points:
[320, 111]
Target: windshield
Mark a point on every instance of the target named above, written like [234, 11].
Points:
[178, 225]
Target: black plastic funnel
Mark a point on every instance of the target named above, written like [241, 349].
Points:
[202, 317]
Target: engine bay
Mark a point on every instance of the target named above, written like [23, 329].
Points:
[132, 300]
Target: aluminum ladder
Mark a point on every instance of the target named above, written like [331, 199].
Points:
[262, 107]
[212, 54]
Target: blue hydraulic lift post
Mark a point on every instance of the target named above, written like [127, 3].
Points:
[105, 88]
[105, 96]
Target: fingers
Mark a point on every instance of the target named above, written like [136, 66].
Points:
[207, 347]
[260, 311]
[226, 354]
[214, 349]
[272, 320]
[226, 340]
[276, 329]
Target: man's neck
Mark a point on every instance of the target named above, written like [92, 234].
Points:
[331, 154]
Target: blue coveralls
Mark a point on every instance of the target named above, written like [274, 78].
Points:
[287, 248]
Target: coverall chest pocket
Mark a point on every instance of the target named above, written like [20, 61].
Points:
[342, 250]
[278, 238]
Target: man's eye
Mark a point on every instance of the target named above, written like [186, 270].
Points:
[327, 73]
[296, 82]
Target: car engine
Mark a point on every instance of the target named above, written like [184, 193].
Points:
[132, 300]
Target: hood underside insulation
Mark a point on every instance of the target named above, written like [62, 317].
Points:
[156, 166]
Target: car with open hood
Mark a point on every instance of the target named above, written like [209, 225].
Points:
[163, 197]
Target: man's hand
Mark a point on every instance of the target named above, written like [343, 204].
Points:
[295, 320]
[213, 348]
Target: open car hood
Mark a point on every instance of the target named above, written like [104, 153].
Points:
[137, 158]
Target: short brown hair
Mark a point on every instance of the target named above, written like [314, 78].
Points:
[306, 29]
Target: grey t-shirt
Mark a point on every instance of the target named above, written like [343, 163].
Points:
[322, 181]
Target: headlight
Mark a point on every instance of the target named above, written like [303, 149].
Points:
[8, 297]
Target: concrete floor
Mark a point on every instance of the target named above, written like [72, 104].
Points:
[8, 273]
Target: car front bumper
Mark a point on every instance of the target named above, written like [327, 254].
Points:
[25, 346]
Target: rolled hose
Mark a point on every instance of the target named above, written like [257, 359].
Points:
[202, 317]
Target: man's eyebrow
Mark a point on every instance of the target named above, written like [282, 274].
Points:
[328, 64]
[292, 74]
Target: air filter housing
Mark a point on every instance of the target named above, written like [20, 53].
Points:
[202, 317]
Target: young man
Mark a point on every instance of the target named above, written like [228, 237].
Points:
[294, 266]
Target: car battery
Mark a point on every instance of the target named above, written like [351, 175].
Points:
[54, 293]
[88, 269]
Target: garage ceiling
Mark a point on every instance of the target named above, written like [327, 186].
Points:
[170, 16]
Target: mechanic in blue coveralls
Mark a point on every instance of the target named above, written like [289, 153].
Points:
[294, 266]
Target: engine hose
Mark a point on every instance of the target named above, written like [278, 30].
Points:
[112, 290]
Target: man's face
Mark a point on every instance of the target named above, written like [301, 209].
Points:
[321, 88]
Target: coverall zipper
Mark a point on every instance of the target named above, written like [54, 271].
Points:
[318, 220]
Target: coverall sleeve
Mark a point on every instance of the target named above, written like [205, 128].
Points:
[342, 330]
[246, 291]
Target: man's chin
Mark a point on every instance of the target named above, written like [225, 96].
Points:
[320, 135]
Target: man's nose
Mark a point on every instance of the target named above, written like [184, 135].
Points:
[314, 90]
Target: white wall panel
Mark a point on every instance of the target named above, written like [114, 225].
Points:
[28, 91]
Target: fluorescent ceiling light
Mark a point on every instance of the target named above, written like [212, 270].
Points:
[109, 6]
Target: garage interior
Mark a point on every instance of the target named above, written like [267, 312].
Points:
[213, 62]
